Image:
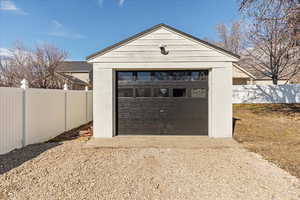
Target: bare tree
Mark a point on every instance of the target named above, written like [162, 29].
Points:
[271, 50]
[231, 39]
[246, 4]
[287, 10]
[14, 67]
[45, 63]
[39, 66]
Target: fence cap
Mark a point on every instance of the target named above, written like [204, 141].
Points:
[65, 86]
[24, 84]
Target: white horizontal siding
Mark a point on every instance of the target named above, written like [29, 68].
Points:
[162, 41]
[173, 47]
[162, 36]
[161, 30]
[145, 49]
[160, 65]
[160, 59]
[153, 53]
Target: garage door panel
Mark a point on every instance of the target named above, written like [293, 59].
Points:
[170, 107]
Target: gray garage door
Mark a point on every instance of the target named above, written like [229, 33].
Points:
[162, 103]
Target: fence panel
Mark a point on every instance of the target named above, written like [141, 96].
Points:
[11, 115]
[89, 106]
[76, 109]
[45, 114]
[248, 94]
[36, 115]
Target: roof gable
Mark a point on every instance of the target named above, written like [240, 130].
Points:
[157, 29]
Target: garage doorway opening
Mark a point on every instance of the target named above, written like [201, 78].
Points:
[162, 102]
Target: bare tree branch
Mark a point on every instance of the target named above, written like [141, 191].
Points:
[231, 39]
[38, 66]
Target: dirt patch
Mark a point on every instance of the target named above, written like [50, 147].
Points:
[84, 132]
[272, 130]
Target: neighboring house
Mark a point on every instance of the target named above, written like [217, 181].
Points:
[72, 82]
[78, 69]
[162, 81]
[242, 75]
[247, 75]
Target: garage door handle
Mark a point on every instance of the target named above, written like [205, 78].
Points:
[161, 111]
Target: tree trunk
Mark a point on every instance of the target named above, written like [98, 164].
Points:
[275, 80]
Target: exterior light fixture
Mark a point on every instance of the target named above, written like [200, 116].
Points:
[163, 49]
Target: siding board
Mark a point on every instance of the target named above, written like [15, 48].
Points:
[188, 47]
[162, 41]
[193, 53]
[162, 36]
[159, 59]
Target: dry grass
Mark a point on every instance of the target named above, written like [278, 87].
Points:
[272, 130]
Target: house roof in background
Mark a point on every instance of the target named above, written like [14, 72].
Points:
[155, 28]
[243, 63]
[243, 70]
[72, 79]
[75, 66]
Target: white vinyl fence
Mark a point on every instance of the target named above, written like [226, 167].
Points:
[248, 94]
[36, 115]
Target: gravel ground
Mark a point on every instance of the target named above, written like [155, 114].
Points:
[143, 168]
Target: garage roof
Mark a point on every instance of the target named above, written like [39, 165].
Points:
[107, 49]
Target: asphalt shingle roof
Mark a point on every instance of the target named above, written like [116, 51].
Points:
[75, 66]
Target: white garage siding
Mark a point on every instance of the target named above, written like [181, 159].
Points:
[145, 50]
[143, 53]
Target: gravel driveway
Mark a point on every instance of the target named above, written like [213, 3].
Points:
[143, 168]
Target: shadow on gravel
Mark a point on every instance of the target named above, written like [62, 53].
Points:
[17, 157]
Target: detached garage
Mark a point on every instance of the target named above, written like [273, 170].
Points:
[162, 82]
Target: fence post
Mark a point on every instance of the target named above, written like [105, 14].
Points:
[86, 102]
[66, 105]
[65, 86]
[24, 86]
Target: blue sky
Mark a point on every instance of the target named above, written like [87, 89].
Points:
[82, 27]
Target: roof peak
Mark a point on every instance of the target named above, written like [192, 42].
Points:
[153, 28]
